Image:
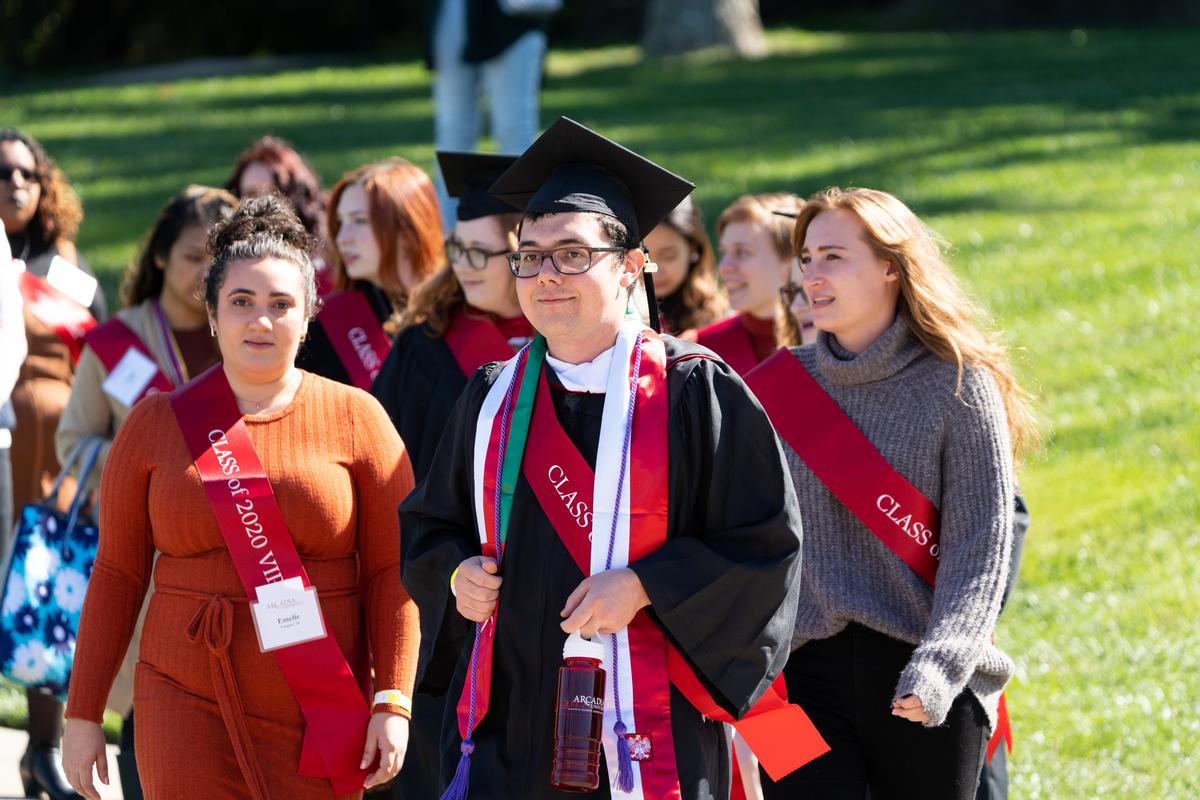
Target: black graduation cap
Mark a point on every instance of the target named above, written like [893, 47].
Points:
[571, 168]
[468, 177]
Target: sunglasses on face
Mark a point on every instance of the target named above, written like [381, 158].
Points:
[7, 173]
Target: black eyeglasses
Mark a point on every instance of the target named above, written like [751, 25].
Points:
[789, 291]
[476, 257]
[7, 172]
[569, 260]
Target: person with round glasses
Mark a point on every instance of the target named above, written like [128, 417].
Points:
[461, 318]
[385, 224]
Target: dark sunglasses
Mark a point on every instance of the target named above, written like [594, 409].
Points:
[7, 172]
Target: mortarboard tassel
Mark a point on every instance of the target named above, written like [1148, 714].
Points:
[457, 790]
[624, 762]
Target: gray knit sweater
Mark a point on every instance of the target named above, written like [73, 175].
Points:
[956, 451]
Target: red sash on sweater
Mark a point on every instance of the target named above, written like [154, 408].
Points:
[356, 335]
[244, 505]
[856, 473]
[69, 320]
[112, 340]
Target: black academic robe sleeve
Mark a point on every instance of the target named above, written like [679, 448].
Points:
[724, 586]
[437, 523]
[418, 386]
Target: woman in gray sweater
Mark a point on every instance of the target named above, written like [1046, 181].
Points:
[892, 651]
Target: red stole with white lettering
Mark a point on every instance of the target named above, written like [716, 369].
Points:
[855, 472]
[780, 733]
[475, 341]
[112, 340]
[729, 339]
[69, 320]
[356, 335]
[335, 711]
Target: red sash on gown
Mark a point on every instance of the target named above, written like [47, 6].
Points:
[356, 335]
[729, 339]
[112, 340]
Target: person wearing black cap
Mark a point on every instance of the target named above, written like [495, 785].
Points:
[590, 496]
[464, 316]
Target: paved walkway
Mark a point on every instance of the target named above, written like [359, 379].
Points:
[12, 745]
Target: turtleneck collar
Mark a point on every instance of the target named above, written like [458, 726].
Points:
[895, 348]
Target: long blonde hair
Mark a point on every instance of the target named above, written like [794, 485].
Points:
[932, 301]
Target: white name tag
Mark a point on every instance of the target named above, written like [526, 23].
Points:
[286, 614]
[130, 377]
[72, 281]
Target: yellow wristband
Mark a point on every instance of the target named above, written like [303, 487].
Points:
[454, 575]
[393, 697]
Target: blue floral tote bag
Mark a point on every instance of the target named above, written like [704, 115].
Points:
[47, 575]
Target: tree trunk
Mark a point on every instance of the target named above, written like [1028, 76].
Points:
[676, 27]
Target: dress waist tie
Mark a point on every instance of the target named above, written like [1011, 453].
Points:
[213, 625]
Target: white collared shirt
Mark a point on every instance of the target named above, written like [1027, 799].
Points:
[590, 376]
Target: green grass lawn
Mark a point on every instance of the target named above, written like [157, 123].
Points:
[1065, 169]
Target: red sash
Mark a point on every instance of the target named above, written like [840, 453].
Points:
[855, 472]
[69, 320]
[729, 339]
[356, 335]
[112, 340]
[779, 733]
[475, 341]
[243, 503]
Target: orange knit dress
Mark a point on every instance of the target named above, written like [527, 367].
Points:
[338, 471]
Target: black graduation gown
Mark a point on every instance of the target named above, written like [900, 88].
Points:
[418, 385]
[723, 587]
[316, 353]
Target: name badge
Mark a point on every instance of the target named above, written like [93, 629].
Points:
[130, 377]
[286, 614]
[72, 281]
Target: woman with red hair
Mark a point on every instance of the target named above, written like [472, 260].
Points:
[385, 224]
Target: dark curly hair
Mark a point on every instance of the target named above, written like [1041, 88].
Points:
[195, 205]
[263, 227]
[59, 211]
[295, 178]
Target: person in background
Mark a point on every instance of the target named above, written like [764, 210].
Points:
[41, 215]
[466, 315]
[320, 473]
[163, 326]
[387, 232]
[754, 237]
[720, 579]
[907, 554]
[478, 50]
[689, 297]
[793, 315]
[272, 164]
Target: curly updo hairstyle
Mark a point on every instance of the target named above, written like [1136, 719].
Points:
[263, 227]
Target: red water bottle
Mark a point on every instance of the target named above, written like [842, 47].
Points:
[578, 717]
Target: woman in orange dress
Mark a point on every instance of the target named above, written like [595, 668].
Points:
[215, 716]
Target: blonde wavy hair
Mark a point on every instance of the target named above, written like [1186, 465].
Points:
[933, 301]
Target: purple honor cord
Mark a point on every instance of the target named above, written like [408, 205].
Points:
[457, 790]
[624, 762]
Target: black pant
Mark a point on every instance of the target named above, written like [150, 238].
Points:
[845, 684]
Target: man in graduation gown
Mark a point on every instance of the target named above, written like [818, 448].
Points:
[718, 591]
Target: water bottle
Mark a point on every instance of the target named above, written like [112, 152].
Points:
[578, 717]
